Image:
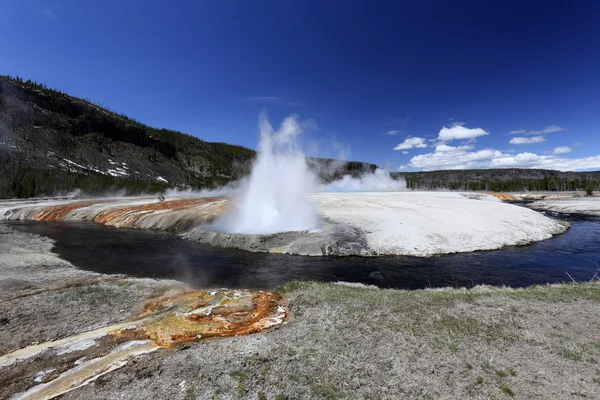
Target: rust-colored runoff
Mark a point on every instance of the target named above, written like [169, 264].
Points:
[504, 196]
[165, 322]
[58, 213]
[200, 315]
[135, 212]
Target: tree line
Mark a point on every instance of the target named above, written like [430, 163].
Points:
[20, 180]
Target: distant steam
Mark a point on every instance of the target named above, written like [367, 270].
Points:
[378, 181]
[275, 198]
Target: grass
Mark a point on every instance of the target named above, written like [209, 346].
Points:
[428, 313]
[505, 389]
[557, 292]
[159, 291]
[190, 394]
[96, 295]
[460, 323]
[241, 377]
[327, 390]
[571, 353]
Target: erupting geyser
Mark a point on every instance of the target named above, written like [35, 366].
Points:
[275, 199]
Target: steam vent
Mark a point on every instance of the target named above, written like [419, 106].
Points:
[366, 224]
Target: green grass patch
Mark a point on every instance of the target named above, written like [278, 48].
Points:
[190, 394]
[241, 378]
[508, 391]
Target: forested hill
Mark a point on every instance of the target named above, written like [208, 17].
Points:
[52, 143]
[502, 180]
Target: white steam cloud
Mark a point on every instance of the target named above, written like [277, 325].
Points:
[275, 198]
[378, 181]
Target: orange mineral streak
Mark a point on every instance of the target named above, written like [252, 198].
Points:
[192, 316]
[134, 213]
[58, 213]
[504, 196]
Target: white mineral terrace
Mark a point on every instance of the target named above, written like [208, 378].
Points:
[427, 223]
[580, 205]
[382, 223]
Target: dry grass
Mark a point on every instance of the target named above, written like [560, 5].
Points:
[362, 343]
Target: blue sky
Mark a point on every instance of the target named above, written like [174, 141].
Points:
[406, 85]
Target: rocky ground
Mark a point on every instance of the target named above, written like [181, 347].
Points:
[342, 341]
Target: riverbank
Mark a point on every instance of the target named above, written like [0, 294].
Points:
[341, 340]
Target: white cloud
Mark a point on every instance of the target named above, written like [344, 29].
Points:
[562, 150]
[466, 156]
[448, 157]
[405, 152]
[261, 98]
[394, 132]
[524, 140]
[411, 143]
[443, 148]
[548, 129]
[49, 15]
[460, 132]
[530, 160]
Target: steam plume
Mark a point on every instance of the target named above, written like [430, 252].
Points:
[275, 199]
[378, 181]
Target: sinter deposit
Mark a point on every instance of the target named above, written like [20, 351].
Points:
[401, 223]
[406, 223]
[579, 205]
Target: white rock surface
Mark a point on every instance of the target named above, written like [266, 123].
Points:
[581, 205]
[376, 223]
[428, 223]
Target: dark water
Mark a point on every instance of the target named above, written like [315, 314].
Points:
[149, 254]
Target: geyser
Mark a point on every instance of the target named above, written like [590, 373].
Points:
[275, 198]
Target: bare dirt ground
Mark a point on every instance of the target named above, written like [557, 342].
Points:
[341, 341]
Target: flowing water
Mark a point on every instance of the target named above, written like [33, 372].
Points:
[149, 254]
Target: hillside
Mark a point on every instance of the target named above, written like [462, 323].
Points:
[43, 129]
[53, 143]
